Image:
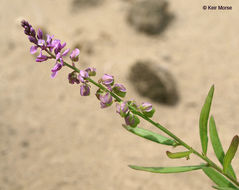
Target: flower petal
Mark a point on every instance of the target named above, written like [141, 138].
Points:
[66, 52]
[33, 49]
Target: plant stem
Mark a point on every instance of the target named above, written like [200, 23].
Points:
[169, 133]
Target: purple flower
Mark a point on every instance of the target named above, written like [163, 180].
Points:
[55, 69]
[41, 57]
[58, 46]
[107, 80]
[120, 90]
[58, 66]
[59, 56]
[105, 98]
[122, 108]
[82, 76]
[132, 120]
[84, 90]
[75, 55]
[33, 49]
[50, 43]
[147, 109]
[72, 77]
[91, 71]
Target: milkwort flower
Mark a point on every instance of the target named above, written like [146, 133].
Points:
[132, 120]
[85, 90]
[120, 90]
[147, 109]
[73, 78]
[105, 98]
[59, 58]
[75, 55]
[122, 108]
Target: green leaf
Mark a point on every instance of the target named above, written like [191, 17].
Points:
[230, 153]
[204, 120]
[224, 188]
[177, 155]
[178, 169]
[149, 135]
[217, 146]
[217, 178]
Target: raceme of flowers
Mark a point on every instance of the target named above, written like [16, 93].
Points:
[51, 48]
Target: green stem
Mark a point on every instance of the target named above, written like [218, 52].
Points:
[169, 133]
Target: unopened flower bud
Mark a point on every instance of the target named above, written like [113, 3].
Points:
[147, 109]
[32, 32]
[32, 39]
[122, 108]
[84, 90]
[72, 77]
[132, 120]
[120, 90]
[107, 80]
[39, 34]
[75, 55]
[91, 71]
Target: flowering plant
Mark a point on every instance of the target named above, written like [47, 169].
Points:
[108, 92]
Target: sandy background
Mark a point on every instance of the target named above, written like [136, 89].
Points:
[51, 138]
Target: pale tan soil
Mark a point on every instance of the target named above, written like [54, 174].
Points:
[51, 138]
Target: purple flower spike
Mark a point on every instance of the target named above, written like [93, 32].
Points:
[105, 100]
[75, 55]
[132, 120]
[107, 80]
[84, 90]
[120, 90]
[41, 57]
[72, 77]
[82, 76]
[122, 108]
[147, 109]
[91, 71]
[55, 69]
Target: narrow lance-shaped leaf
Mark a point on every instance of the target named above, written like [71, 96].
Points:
[217, 178]
[217, 146]
[177, 155]
[230, 153]
[178, 169]
[224, 188]
[149, 135]
[203, 121]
